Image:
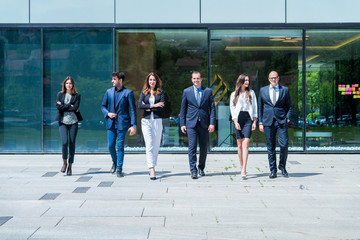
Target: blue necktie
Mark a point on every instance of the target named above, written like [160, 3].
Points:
[198, 98]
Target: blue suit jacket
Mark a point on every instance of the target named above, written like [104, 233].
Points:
[190, 111]
[126, 108]
[281, 110]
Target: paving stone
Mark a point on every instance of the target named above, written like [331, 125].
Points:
[50, 196]
[81, 189]
[49, 174]
[4, 219]
[106, 184]
[83, 179]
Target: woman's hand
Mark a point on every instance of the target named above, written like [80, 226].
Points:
[237, 125]
[253, 127]
[159, 104]
[58, 102]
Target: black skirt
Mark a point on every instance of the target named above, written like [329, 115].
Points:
[245, 124]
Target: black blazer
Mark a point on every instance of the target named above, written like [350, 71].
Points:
[157, 110]
[75, 101]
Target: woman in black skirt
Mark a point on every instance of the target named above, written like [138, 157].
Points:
[243, 108]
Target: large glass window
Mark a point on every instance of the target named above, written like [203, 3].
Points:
[20, 91]
[332, 90]
[257, 53]
[86, 55]
[173, 55]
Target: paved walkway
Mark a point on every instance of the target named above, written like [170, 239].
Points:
[39, 202]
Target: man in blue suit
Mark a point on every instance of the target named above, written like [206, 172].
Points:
[274, 115]
[197, 119]
[119, 109]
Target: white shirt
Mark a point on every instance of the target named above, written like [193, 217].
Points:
[152, 101]
[243, 105]
[271, 90]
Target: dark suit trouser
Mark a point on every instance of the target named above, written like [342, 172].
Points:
[193, 134]
[283, 139]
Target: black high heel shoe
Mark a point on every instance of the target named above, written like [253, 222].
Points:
[69, 172]
[63, 169]
[152, 178]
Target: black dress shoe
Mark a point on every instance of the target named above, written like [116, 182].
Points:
[119, 174]
[152, 178]
[113, 168]
[273, 175]
[201, 172]
[284, 172]
[194, 175]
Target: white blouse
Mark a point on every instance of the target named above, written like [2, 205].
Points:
[243, 105]
[152, 101]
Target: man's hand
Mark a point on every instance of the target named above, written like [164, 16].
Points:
[183, 129]
[112, 115]
[132, 130]
[58, 102]
[211, 128]
[261, 128]
[253, 127]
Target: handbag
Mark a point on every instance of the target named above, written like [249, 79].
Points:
[78, 115]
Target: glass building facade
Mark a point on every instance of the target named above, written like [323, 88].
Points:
[321, 68]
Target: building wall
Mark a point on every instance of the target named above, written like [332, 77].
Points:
[185, 11]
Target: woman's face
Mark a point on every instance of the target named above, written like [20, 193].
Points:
[152, 82]
[246, 82]
[68, 85]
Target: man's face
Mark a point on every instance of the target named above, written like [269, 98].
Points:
[116, 82]
[274, 79]
[196, 79]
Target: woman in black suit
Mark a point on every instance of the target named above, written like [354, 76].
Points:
[68, 101]
[152, 101]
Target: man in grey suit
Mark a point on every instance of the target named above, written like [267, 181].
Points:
[197, 119]
[274, 115]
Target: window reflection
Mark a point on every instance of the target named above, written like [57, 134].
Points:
[20, 90]
[255, 52]
[173, 55]
[332, 78]
[86, 55]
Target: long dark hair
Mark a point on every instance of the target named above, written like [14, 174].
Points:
[73, 90]
[239, 82]
[146, 88]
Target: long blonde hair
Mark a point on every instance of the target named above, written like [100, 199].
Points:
[239, 82]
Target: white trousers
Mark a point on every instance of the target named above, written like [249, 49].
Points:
[152, 130]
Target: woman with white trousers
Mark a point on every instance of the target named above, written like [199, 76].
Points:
[152, 101]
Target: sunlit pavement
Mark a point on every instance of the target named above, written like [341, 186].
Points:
[319, 200]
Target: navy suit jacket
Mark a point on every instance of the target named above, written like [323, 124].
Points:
[190, 111]
[267, 110]
[126, 108]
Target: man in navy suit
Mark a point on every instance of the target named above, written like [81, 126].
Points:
[197, 119]
[274, 115]
[118, 107]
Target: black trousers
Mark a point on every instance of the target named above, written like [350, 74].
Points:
[68, 136]
[193, 135]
